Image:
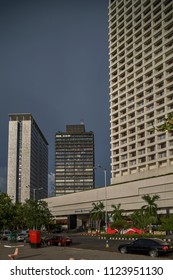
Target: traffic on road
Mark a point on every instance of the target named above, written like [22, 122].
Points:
[81, 246]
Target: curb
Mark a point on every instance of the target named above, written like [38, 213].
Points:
[119, 238]
[130, 239]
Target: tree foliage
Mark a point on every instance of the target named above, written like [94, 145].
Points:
[139, 219]
[118, 219]
[31, 214]
[147, 215]
[167, 223]
[167, 125]
[6, 213]
[97, 213]
[19, 219]
[151, 206]
[37, 213]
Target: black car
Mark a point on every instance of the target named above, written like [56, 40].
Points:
[150, 246]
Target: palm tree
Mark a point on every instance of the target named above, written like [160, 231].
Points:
[117, 212]
[118, 220]
[97, 213]
[139, 219]
[151, 208]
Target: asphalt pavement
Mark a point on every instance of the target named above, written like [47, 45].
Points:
[87, 248]
[62, 253]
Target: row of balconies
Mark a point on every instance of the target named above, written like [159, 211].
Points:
[122, 129]
[140, 66]
[137, 144]
[143, 56]
[136, 134]
[147, 90]
[127, 167]
[137, 168]
[131, 43]
[140, 27]
[131, 34]
[135, 85]
[125, 159]
[143, 160]
[134, 72]
[136, 79]
[153, 99]
[138, 18]
[122, 154]
[132, 116]
[120, 5]
[140, 168]
[139, 9]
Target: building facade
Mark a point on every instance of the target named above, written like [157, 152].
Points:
[141, 88]
[74, 160]
[141, 96]
[74, 209]
[27, 176]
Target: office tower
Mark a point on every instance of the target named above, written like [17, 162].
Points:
[74, 160]
[27, 159]
[141, 88]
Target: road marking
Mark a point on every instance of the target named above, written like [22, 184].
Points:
[13, 246]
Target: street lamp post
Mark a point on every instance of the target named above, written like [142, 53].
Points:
[106, 212]
[34, 190]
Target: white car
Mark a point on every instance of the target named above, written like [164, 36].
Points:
[22, 237]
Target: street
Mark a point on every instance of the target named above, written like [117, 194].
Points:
[83, 247]
[94, 243]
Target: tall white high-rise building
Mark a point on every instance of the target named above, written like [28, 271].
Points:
[27, 176]
[141, 89]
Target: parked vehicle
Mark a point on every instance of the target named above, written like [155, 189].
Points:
[59, 240]
[22, 237]
[150, 246]
[5, 234]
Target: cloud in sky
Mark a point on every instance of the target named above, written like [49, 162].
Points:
[54, 65]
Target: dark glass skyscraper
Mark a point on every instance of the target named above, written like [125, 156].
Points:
[74, 160]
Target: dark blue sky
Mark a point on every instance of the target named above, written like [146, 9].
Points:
[54, 65]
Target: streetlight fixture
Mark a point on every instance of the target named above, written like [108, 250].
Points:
[106, 214]
[34, 190]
